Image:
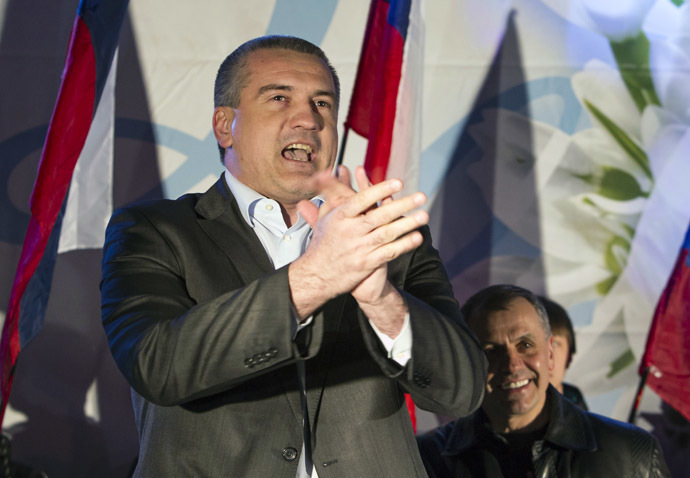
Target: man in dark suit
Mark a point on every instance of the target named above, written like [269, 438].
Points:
[270, 326]
[525, 428]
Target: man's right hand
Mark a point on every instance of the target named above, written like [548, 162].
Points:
[352, 238]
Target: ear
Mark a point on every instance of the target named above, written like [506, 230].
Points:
[552, 362]
[222, 125]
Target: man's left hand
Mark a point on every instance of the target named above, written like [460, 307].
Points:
[377, 297]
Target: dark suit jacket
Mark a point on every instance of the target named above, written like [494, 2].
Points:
[201, 326]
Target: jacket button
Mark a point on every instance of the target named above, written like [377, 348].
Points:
[289, 453]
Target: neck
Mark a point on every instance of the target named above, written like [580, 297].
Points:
[502, 423]
[289, 214]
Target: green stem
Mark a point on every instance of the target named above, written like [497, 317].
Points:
[632, 57]
[629, 146]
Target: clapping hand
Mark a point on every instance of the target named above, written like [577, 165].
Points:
[355, 235]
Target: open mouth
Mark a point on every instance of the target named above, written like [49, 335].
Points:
[515, 385]
[297, 152]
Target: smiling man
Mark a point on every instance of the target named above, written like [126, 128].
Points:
[270, 326]
[525, 428]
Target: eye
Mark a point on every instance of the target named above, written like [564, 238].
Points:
[279, 98]
[525, 346]
[322, 104]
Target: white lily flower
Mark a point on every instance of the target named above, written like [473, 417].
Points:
[669, 58]
[602, 86]
[544, 198]
[620, 19]
[664, 135]
[617, 20]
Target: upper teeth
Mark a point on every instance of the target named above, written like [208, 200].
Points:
[305, 147]
[519, 384]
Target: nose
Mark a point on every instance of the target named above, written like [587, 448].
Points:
[511, 361]
[306, 116]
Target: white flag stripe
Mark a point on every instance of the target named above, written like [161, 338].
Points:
[407, 129]
[90, 200]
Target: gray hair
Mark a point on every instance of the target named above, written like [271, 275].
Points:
[233, 75]
[498, 297]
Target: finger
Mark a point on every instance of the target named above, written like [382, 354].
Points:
[308, 211]
[388, 233]
[395, 249]
[393, 209]
[343, 175]
[363, 182]
[370, 196]
[361, 178]
[334, 190]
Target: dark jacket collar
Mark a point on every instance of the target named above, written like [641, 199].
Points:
[221, 218]
[467, 432]
[217, 201]
[569, 427]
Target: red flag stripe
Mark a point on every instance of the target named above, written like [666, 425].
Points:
[667, 353]
[361, 102]
[67, 133]
[383, 117]
[68, 129]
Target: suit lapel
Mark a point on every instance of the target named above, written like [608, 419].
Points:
[222, 221]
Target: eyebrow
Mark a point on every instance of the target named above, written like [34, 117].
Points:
[279, 87]
[272, 87]
[527, 335]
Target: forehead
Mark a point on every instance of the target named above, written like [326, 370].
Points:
[517, 319]
[289, 68]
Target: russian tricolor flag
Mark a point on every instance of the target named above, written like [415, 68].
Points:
[666, 361]
[72, 193]
[386, 99]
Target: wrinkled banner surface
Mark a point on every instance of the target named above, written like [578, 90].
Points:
[555, 137]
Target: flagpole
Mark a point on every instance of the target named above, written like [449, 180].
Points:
[341, 153]
[638, 396]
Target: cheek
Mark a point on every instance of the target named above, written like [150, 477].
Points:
[489, 378]
[559, 359]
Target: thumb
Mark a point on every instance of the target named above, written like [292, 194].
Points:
[308, 211]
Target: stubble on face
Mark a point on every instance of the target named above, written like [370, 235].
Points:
[520, 360]
[284, 130]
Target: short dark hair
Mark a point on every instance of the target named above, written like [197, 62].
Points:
[498, 297]
[233, 76]
[560, 323]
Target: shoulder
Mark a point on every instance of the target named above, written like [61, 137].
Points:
[601, 445]
[608, 430]
[432, 446]
[435, 440]
[159, 207]
[572, 393]
[142, 225]
[576, 429]
[627, 443]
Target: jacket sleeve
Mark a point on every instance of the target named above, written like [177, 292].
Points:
[173, 347]
[659, 469]
[447, 371]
